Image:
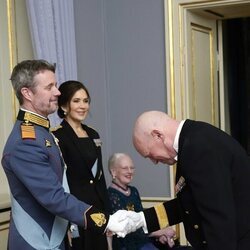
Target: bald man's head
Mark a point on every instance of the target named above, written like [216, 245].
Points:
[153, 136]
[147, 122]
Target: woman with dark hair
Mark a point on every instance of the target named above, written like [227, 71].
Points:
[81, 150]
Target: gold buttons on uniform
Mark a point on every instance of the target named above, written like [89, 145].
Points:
[91, 182]
[196, 226]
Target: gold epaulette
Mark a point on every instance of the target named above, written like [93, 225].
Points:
[55, 128]
[28, 131]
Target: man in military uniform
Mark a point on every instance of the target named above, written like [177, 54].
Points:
[40, 202]
[212, 178]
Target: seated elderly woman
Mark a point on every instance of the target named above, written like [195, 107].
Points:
[124, 196]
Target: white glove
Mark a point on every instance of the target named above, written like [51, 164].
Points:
[120, 223]
[139, 220]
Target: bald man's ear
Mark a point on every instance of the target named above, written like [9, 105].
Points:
[156, 134]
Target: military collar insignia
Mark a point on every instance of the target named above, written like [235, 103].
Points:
[28, 117]
[47, 143]
[180, 184]
[98, 142]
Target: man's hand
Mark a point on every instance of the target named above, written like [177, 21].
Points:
[165, 236]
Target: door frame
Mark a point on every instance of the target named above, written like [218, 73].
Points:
[175, 11]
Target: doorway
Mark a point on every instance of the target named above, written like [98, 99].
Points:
[190, 32]
[236, 47]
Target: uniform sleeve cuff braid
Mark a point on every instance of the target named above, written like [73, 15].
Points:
[96, 220]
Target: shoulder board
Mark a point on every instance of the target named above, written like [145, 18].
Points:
[28, 131]
[55, 128]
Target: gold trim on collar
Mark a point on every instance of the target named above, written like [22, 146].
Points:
[36, 119]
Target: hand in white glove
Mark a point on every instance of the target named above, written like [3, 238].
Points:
[139, 220]
[120, 223]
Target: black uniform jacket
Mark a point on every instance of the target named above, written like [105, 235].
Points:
[86, 187]
[212, 183]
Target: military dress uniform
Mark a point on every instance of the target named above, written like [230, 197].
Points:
[213, 201]
[40, 204]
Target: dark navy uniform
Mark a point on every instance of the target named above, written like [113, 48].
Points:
[212, 185]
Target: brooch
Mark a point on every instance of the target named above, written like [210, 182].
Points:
[47, 143]
[98, 142]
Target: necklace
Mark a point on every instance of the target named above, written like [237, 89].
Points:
[122, 188]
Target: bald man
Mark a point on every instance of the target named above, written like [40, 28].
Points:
[212, 180]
